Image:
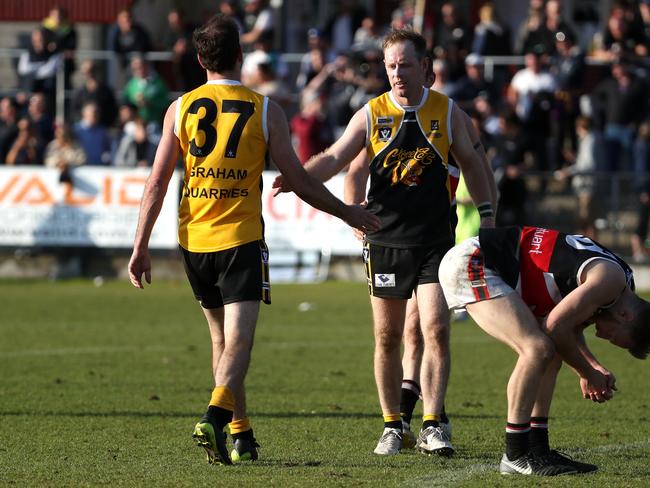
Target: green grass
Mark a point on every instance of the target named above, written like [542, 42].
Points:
[102, 386]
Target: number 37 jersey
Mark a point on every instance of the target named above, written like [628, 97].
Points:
[221, 127]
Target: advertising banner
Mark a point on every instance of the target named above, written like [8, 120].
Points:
[101, 209]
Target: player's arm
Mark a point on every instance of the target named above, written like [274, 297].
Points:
[326, 164]
[565, 324]
[475, 139]
[305, 185]
[471, 166]
[152, 199]
[356, 178]
[354, 184]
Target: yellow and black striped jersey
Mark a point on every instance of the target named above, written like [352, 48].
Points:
[412, 180]
[223, 136]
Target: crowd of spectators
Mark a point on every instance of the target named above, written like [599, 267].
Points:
[555, 113]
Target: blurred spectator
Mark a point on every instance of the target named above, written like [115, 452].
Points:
[441, 81]
[64, 152]
[313, 60]
[554, 22]
[508, 148]
[258, 22]
[491, 37]
[187, 72]
[93, 89]
[531, 33]
[452, 33]
[624, 36]
[473, 84]
[93, 137]
[127, 37]
[403, 16]
[135, 148]
[620, 103]
[147, 91]
[8, 126]
[231, 9]
[310, 129]
[513, 195]
[370, 79]
[341, 27]
[335, 83]
[262, 54]
[368, 37]
[587, 160]
[61, 37]
[531, 93]
[37, 66]
[568, 68]
[38, 114]
[27, 147]
[642, 183]
[267, 83]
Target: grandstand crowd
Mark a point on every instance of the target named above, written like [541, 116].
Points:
[578, 105]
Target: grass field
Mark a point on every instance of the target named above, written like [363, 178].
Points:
[102, 386]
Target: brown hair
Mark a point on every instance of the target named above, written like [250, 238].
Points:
[640, 327]
[217, 44]
[404, 35]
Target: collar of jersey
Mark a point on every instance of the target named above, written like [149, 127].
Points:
[223, 82]
[409, 108]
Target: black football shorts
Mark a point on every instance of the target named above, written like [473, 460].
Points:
[238, 274]
[395, 272]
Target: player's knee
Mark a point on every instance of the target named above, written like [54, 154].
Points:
[388, 339]
[539, 350]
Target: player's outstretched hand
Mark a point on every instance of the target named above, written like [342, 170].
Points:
[599, 386]
[139, 263]
[358, 234]
[358, 217]
[280, 186]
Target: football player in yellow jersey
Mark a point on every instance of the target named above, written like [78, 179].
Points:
[222, 131]
[409, 134]
[356, 180]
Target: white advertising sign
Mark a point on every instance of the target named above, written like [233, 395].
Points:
[293, 224]
[99, 210]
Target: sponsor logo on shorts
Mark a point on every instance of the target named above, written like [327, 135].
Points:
[384, 280]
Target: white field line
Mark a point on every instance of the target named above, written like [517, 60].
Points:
[451, 477]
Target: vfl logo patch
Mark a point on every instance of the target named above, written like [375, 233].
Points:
[365, 255]
[385, 133]
[385, 120]
[265, 256]
[384, 280]
[435, 125]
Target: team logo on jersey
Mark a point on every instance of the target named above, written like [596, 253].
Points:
[385, 120]
[408, 166]
[384, 133]
[384, 280]
[435, 125]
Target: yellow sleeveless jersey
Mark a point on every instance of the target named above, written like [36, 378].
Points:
[223, 138]
[412, 180]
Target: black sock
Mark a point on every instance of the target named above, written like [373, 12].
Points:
[395, 424]
[410, 395]
[247, 434]
[430, 423]
[443, 415]
[539, 436]
[517, 438]
[217, 416]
